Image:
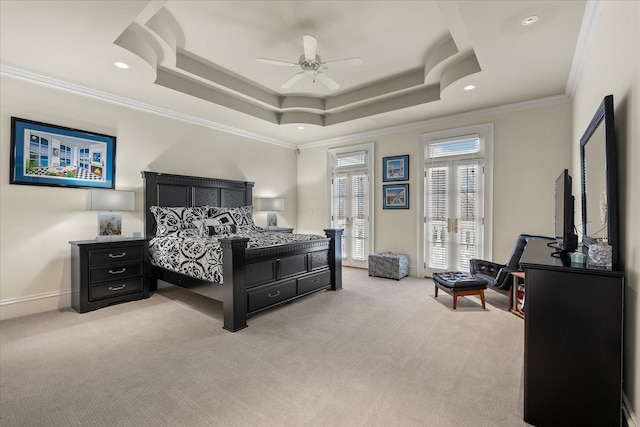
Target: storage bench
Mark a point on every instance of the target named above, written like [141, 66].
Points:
[459, 284]
[389, 265]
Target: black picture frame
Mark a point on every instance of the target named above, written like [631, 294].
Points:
[395, 196]
[58, 156]
[395, 168]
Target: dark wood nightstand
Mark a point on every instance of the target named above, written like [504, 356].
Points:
[280, 229]
[106, 272]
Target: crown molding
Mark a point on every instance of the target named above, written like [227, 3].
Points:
[590, 20]
[53, 83]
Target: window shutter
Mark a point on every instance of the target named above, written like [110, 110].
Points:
[437, 206]
[467, 176]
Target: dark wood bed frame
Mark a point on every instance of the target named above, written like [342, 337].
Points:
[253, 279]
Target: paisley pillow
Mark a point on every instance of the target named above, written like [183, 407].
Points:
[172, 219]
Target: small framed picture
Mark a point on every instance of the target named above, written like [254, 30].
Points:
[395, 168]
[44, 154]
[396, 196]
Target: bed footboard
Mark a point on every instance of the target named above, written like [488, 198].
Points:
[261, 278]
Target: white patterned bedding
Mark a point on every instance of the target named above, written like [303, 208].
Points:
[186, 251]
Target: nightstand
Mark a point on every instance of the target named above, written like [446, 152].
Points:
[106, 272]
[280, 229]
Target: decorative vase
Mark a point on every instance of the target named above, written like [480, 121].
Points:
[599, 256]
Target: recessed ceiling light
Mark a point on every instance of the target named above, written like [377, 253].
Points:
[121, 64]
[469, 87]
[529, 20]
[300, 127]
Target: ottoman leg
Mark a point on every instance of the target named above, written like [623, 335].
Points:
[455, 300]
[435, 286]
[482, 298]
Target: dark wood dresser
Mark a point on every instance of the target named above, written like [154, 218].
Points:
[107, 272]
[573, 341]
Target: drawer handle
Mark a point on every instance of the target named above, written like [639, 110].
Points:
[117, 288]
[315, 280]
[117, 256]
[270, 295]
[118, 272]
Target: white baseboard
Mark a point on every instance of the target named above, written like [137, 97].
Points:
[628, 413]
[18, 307]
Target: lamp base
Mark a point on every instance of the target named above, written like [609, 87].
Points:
[272, 219]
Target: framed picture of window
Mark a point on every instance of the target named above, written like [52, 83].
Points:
[395, 168]
[395, 196]
[45, 154]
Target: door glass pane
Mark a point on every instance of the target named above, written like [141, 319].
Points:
[437, 215]
[339, 206]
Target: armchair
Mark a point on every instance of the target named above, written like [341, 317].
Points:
[498, 276]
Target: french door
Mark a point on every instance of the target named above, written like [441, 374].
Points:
[350, 211]
[453, 230]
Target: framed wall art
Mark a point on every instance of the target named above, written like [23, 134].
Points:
[44, 154]
[395, 168]
[395, 196]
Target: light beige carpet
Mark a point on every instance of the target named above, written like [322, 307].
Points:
[378, 353]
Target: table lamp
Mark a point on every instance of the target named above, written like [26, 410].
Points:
[110, 204]
[272, 205]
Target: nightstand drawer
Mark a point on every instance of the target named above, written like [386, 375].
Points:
[271, 295]
[111, 289]
[316, 281]
[115, 255]
[115, 272]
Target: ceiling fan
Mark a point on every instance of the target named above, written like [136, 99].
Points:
[311, 64]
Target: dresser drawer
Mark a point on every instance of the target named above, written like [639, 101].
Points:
[115, 272]
[112, 289]
[115, 255]
[271, 295]
[313, 282]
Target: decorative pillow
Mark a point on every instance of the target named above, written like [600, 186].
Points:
[172, 219]
[241, 216]
[221, 230]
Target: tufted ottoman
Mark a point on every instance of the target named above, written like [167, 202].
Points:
[389, 265]
[459, 284]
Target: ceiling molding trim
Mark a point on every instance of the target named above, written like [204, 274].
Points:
[509, 108]
[50, 82]
[590, 20]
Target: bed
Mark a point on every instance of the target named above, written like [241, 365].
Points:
[252, 278]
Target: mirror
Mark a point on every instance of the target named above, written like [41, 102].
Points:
[599, 180]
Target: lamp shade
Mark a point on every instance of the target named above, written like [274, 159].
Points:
[273, 204]
[110, 200]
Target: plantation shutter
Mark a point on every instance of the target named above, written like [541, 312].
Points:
[437, 186]
[467, 218]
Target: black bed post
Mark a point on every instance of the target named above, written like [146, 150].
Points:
[234, 292]
[335, 251]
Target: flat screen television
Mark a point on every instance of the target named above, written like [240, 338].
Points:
[566, 238]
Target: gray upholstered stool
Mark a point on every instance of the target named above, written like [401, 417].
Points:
[389, 265]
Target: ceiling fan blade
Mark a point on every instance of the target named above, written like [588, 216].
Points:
[292, 80]
[343, 63]
[310, 45]
[276, 62]
[327, 81]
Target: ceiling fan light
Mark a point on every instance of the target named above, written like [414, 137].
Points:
[469, 87]
[529, 20]
[121, 65]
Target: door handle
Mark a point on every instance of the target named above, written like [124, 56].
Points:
[455, 225]
[448, 225]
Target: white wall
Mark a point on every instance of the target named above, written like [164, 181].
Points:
[531, 147]
[612, 67]
[38, 222]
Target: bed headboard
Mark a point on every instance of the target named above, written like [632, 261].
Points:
[162, 189]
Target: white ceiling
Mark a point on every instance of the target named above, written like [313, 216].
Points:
[198, 58]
